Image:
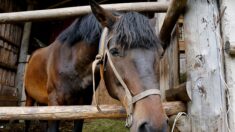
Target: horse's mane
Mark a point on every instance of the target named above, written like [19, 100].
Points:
[134, 30]
[85, 28]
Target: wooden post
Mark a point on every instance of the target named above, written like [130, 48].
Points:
[23, 57]
[228, 30]
[207, 110]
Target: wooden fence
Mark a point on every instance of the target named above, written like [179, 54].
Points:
[204, 53]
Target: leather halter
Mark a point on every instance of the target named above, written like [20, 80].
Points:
[104, 51]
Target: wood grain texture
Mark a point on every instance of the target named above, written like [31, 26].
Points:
[52, 14]
[179, 93]
[207, 110]
[76, 112]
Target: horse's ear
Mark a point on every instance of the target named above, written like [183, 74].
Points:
[106, 18]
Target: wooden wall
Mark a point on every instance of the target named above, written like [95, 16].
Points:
[10, 38]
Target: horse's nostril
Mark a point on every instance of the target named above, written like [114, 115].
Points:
[146, 127]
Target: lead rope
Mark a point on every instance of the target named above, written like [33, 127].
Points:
[94, 64]
[98, 60]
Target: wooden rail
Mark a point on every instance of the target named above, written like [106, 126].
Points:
[61, 13]
[75, 112]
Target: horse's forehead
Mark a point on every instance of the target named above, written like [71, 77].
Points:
[141, 52]
[141, 55]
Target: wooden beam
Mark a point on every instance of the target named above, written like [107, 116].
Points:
[75, 112]
[179, 93]
[176, 7]
[52, 14]
[9, 41]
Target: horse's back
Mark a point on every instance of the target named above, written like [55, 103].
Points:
[36, 76]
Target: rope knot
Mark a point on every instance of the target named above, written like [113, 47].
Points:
[99, 57]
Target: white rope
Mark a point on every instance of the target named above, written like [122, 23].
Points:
[177, 118]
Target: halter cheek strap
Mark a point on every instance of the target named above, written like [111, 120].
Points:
[130, 99]
[98, 60]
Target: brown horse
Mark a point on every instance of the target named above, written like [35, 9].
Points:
[60, 74]
[135, 52]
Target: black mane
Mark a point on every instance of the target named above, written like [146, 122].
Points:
[133, 30]
[86, 28]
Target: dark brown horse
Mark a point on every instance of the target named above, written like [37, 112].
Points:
[60, 74]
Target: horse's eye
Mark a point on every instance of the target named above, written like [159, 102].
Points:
[114, 51]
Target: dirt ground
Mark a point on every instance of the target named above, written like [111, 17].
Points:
[98, 125]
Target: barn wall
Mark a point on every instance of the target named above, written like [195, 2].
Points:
[10, 37]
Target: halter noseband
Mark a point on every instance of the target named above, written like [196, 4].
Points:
[103, 51]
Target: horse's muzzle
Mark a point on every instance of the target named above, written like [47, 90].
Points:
[147, 127]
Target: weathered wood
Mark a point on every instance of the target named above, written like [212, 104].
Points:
[181, 125]
[8, 66]
[169, 66]
[8, 41]
[23, 56]
[207, 110]
[228, 30]
[175, 9]
[230, 48]
[52, 14]
[8, 101]
[75, 112]
[179, 93]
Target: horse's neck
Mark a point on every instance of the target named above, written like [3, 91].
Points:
[84, 54]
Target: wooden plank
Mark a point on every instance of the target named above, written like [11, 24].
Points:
[8, 41]
[169, 65]
[52, 14]
[205, 67]
[228, 29]
[182, 46]
[75, 112]
[8, 101]
[1, 71]
[8, 67]
[8, 90]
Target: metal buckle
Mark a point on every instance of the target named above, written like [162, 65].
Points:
[129, 120]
